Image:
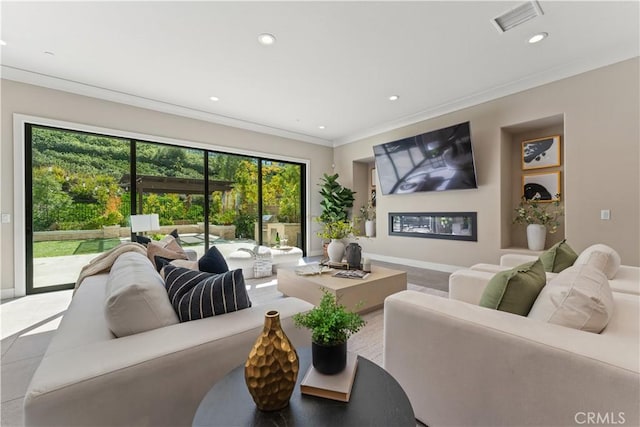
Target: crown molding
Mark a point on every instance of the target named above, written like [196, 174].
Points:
[529, 82]
[38, 79]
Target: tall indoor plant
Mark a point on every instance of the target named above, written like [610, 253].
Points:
[331, 326]
[539, 217]
[336, 202]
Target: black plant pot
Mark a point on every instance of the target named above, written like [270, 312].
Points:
[329, 360]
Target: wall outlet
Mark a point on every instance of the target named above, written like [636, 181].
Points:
[6, 218]
[605, 214]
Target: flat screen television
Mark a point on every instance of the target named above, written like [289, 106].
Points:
[434, 161]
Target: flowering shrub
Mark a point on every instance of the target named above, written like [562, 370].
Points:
[532, 211]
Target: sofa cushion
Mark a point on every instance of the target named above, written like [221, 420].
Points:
[196, 294]
[136, 300]
[603, 257]
[213, 262]
[580, 298]
[558, 257]
[168, 248]
[515, 290]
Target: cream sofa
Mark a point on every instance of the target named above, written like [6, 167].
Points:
[466, 365]
[155, 378]
[625, 280]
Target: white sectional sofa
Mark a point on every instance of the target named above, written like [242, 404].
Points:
[466, 365]
[88, 377]
[626, 279]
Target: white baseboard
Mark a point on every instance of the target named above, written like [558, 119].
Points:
[414, 262]
[7, 293]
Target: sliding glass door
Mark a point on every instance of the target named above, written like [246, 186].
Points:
[76, 207]
[80, 195]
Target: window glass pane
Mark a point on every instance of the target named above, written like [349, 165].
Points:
[170, 183]
[78, 208]
[233, 207]
[281, 203]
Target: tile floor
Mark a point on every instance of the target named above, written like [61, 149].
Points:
[26, 327]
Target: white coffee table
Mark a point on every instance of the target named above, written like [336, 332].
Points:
[371, 291]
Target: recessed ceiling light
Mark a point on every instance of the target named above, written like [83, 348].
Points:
[266, 39]
[538, 37]
[3, 43]
[48, 52]
[214, 98]
[394, 98]
[321, 127]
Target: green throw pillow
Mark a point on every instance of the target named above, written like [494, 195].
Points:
[515, 290]
[558, 257]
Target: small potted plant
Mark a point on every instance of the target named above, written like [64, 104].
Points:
[335, 231]
[331, 326]
[539, 217]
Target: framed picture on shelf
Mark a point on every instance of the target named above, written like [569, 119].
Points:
[541, 152]
[373, 178]
[546, 185]
[373, 197]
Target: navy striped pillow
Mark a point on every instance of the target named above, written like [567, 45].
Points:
[197, 294]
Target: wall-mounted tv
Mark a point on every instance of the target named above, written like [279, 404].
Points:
[434, 161]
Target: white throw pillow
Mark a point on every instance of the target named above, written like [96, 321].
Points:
[579, 297]
[603, 257]
[137, 300]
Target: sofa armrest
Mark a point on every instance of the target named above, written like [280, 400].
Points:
[462, 364]
[514, 260]
[468, 285]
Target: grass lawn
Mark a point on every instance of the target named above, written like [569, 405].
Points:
[72, 247]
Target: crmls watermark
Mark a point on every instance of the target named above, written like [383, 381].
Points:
[599, 418]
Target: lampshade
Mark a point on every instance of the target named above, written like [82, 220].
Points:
[145, 222]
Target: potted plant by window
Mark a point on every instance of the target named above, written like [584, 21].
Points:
[331, 326]
[336, 202]
[336, 199]
[539, 217]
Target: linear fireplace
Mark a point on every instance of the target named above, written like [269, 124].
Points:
[435, 225]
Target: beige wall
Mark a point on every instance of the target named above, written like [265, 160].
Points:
[599, 112]
[52, 104]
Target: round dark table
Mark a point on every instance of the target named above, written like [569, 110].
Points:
[376, 400]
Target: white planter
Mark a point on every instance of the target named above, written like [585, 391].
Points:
[536, 236]
[335, 250]
[370, 228]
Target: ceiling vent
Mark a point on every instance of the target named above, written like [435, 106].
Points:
[516, 16]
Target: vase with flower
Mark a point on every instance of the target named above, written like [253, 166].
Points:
[540, 218]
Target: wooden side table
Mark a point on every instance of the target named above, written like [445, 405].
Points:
[376, 400]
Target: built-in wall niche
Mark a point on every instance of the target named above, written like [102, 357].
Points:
[544, 135]
[435, 225]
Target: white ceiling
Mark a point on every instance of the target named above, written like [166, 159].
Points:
[334, 63]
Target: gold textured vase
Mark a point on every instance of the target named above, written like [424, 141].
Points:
[272, 367]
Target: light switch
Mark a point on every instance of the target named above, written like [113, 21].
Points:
[605, 214]
[6, 218]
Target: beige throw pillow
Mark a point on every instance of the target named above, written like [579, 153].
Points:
[603, 257]
[168, 248]
[136, 300]
[579, 297]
